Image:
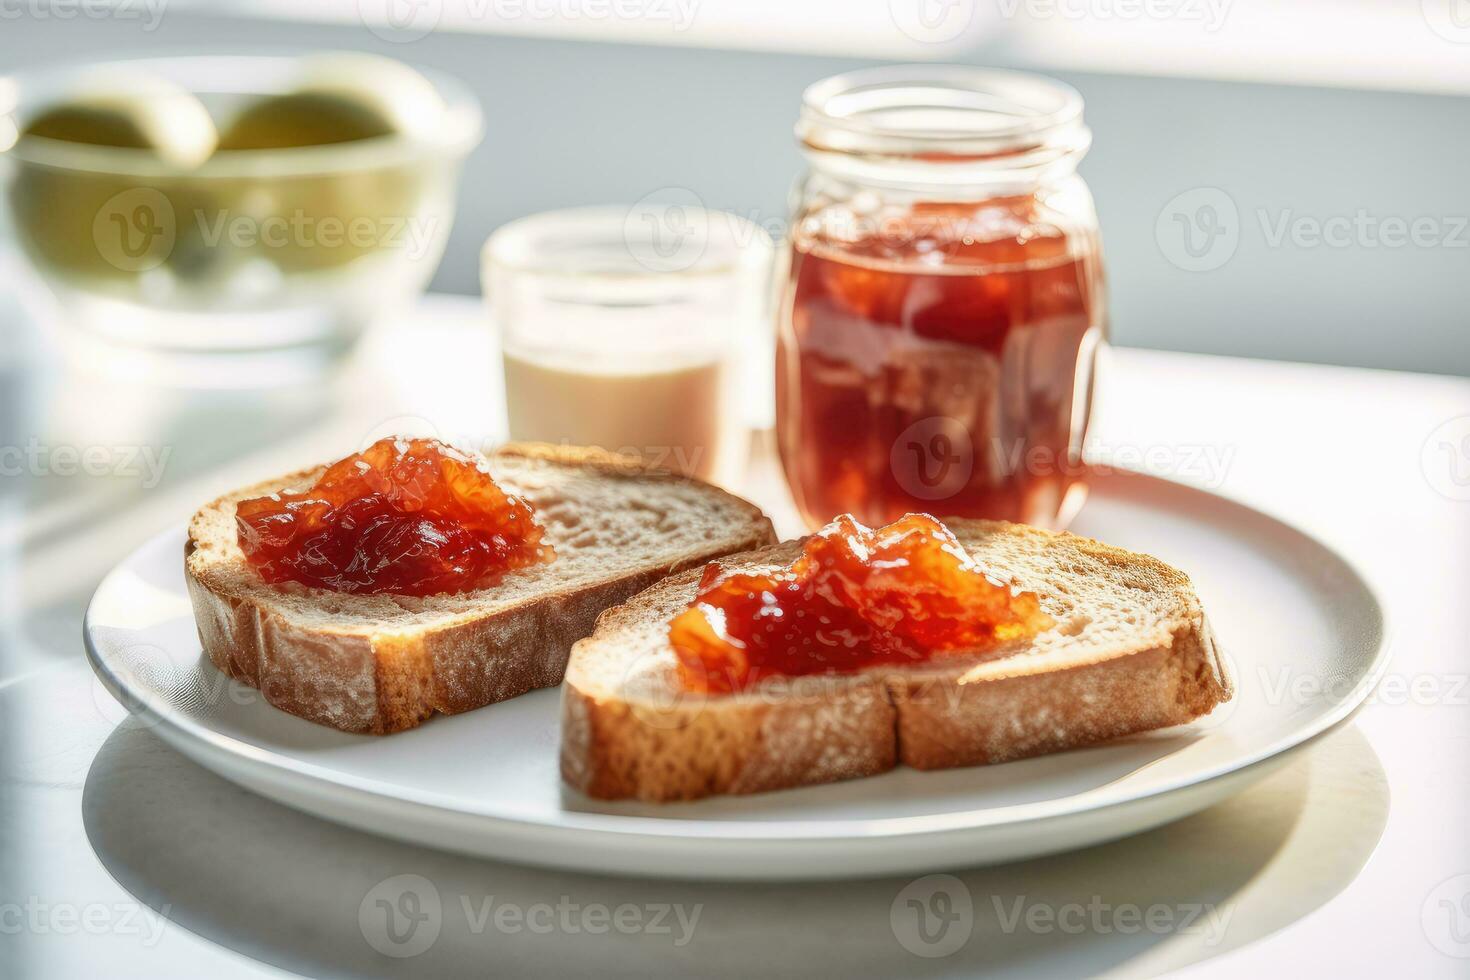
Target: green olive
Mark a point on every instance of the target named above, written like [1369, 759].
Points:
[78, 219]
[304, 119]
[95, 125]
[318, 220]
[138, 114]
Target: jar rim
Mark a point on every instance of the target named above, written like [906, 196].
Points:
[944, 113]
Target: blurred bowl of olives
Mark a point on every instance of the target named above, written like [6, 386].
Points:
[232, 204]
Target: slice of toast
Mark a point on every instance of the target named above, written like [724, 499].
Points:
[383, 663]
[1131, 651]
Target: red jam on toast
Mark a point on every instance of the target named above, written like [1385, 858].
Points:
[856, 597]
[404, 516]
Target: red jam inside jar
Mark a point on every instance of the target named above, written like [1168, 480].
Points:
[944, 300]
[941, 362]
[855, 598]
[407, 517]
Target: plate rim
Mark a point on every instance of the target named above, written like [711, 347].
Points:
[737, 830]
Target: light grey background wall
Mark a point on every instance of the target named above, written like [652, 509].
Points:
[576, 123]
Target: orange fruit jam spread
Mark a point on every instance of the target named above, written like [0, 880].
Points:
[855, 598]
[405, 516]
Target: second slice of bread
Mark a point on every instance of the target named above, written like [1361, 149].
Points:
[1131, 651]
[383, 663]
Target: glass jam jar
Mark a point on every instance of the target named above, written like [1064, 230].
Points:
[945, 299]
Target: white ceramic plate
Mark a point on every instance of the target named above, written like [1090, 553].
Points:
[1302, 632]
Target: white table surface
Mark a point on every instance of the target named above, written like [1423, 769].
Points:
[120, 858]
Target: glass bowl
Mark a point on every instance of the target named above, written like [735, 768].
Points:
[294, 249]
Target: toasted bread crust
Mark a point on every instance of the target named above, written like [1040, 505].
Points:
[945, 726]
[860, 725]
[383, 683]
[612, 750]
